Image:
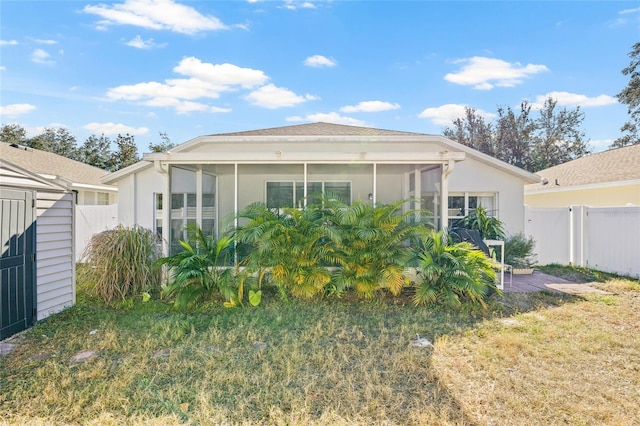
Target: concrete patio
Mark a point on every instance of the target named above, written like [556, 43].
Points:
[539, 281]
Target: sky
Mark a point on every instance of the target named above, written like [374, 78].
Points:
[191, 68]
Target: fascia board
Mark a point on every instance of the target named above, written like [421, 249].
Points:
[602, 185]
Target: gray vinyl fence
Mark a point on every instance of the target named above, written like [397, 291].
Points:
[92, 220]
[603, 238]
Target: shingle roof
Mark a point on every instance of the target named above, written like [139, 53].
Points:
[319, 129]
[48, 163]
[616, 165]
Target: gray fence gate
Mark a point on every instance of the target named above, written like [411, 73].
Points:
[17, 263]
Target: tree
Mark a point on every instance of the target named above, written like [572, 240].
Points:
[630, 96]
[96, 151]
[164, 146]
[13, 133]
[558, 137]
[517, 138]
[127, 153]
[473, 131]
[514, 135]
[57, 140]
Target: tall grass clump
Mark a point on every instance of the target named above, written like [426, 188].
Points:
[121, 263]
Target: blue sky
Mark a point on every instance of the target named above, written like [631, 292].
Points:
[190, 68]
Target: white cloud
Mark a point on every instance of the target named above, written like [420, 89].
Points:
[204, 80]
[43, 41]
[139, 43]
[600, 144]
[627, 11]
[331, 117]
[486, 73]
[155, 15]
[294, 5]
[3, 68]
[445, 114]
[370, 106]
[574, 99]
[318, 61]
[115, 129]
[8, 42]
[39, 56]
[272, 97]
[15, 110]
[223, 74]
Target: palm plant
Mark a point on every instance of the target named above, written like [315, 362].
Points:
[290, 245]
[452, 273]
[372, 245]
[488, 226]
[204, 265]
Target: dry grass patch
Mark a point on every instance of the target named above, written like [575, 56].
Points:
[577, 363]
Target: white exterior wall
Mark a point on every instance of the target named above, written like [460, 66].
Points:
[55, 262]
[472, 175]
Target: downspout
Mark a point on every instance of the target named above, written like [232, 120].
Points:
[166, 205]
[447, 169]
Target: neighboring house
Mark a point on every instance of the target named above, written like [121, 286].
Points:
[75, 176]
[605, 179]
[210, 178]
[37, 264]
[96, 208]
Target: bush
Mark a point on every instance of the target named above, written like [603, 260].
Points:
[452, 273]
[121, 263]
[489, 227]
[203, 266]
[518, 251]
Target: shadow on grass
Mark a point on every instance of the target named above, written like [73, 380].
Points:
[325, 361]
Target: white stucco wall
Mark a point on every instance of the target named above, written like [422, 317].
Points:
[472, 175]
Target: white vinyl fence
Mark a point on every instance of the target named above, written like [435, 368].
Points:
[92, 220]
[603, 238]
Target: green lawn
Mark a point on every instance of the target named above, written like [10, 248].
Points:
[536, 358]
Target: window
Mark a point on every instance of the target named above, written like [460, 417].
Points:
[184, 211]
[282, 194]
[461, 204]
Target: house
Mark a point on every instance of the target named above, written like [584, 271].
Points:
[210, 178]
[96, 208]
[605, 179]
[37, 264]
[73, 175]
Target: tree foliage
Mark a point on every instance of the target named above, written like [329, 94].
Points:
[95, 151]
[164, 145]
[126, 153]
[517, 138]
[630, 96]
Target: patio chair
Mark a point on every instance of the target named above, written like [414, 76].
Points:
[472, 236]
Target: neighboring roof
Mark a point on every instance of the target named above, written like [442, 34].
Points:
[314, 132]
[319, 129]
[615, 165]
[16, 177]
[54, 167]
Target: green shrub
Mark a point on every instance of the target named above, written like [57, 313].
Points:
[371, 245]
[489, 227]
[121, 263]
[518, 251]
[291, 244]
[452, 273]
[205, 265]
